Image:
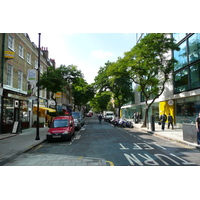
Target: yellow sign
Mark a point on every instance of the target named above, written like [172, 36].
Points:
[9, 54]
[58, 95]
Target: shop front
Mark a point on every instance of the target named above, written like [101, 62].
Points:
[15, 108]
[187, 110]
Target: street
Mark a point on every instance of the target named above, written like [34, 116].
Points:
[117, 146]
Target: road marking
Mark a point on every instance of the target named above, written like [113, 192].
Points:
[123, 148]
[111, 163]
[159, 146]
[38, 147]
[80, 157]
[185, 162]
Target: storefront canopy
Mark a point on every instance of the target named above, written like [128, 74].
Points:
[44, 108]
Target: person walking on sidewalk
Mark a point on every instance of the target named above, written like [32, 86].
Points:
[198, 129]
[163, 119]
[170, 121]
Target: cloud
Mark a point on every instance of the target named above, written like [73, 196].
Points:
[101, 54]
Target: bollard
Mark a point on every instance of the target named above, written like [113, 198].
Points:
[152, 123]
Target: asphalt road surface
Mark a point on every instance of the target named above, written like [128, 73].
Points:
[122, 147]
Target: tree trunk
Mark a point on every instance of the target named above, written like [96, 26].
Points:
[145, 117]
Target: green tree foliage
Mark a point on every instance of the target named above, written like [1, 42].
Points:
[100, 101]
[82, 92]
[67, 77]
[117, 82]
[150, 64]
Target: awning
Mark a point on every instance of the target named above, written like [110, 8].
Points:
[44, 108]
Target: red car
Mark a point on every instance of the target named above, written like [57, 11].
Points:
[62, 127]
[89, 114]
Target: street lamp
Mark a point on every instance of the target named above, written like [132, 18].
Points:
[38, 91]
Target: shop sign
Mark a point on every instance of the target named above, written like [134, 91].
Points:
[31, 75]
[58, 95]
[9, 54]
[171, 102]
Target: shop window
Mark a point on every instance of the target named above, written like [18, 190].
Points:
[8, 111]
[24, 111]
[181, 56]
[194, 47]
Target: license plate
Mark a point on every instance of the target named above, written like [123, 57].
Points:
[56, 136]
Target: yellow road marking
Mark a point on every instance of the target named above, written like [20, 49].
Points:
[111, 163]
[38, 147]
[80, 157]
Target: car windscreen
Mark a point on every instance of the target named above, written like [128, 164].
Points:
[60, 123]
[76, 115]
[108, 114]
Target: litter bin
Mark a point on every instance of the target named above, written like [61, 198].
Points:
[152, 123]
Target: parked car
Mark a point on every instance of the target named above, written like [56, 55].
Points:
[89, 114]
[79, 116]
[62, 127]
[77, 124]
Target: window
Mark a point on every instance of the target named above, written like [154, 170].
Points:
[28, 58]
[195, 76]
[9, 75]
[181, 81]
[41, 69]
[194, 47]
[10, 42]
[19, 79]
[178, 36]
[36, 64]
[181, 56]
[21, 51]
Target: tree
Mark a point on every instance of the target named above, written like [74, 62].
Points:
[117, 82]
[150, 64]
[59, 79]
[100, 102]
[53, 81]
[82, 93]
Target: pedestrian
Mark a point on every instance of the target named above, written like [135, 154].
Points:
[163, 119]
[198, 129]
[100, 118]
[170, 121]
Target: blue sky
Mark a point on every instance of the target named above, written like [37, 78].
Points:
[89, 51]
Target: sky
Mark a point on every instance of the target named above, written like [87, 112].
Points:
[88, 51]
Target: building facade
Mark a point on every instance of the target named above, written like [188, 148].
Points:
[19, 56]
[181, 97]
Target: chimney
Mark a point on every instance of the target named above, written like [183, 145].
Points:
[45, 52]
[53, 62]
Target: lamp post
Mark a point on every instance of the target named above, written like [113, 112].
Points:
[38, 91]
[1, 87]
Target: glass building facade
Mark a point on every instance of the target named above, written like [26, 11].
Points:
[185, 84]
[187, 76]
[187, 70]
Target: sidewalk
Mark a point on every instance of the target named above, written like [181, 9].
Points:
[175, 135]
[14, 145]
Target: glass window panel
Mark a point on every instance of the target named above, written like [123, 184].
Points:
[195, 76]
[181, 56]
[181, 81]
[178, 36]
[9, 75]
[194, 47]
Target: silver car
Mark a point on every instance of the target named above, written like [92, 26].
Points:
[79, 116]
[77, 124]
